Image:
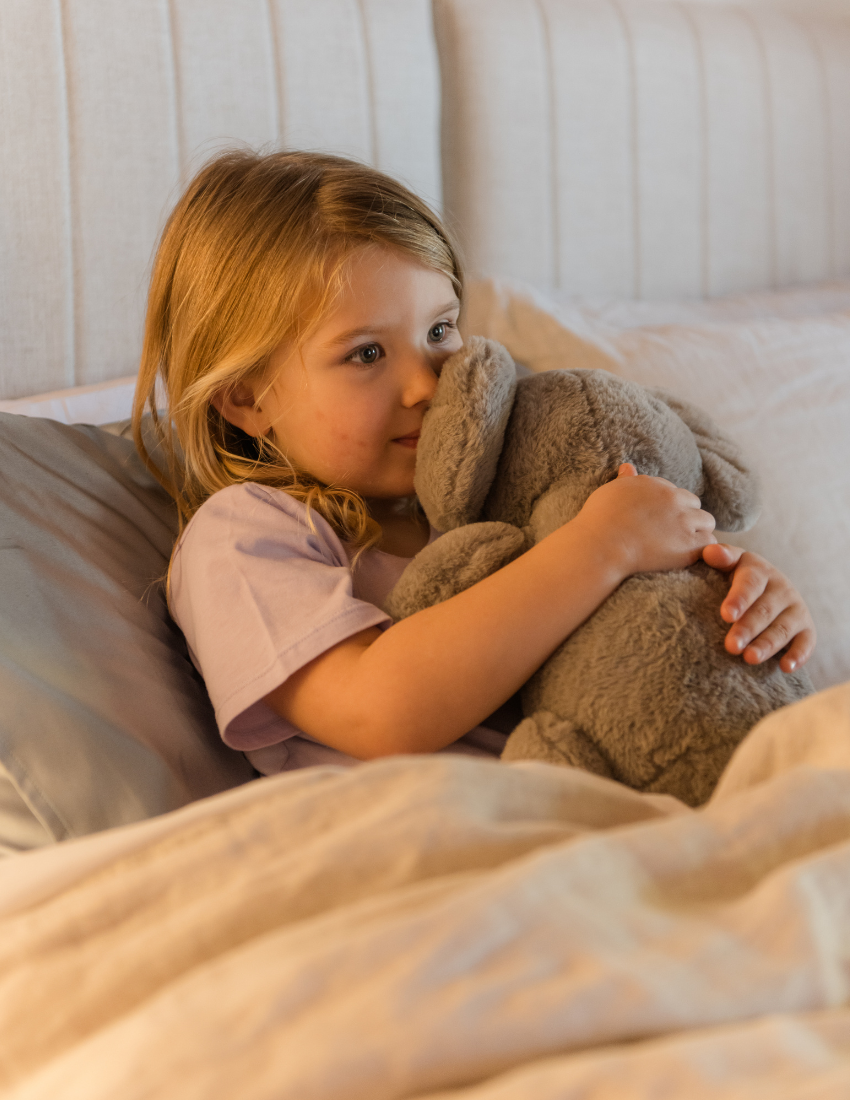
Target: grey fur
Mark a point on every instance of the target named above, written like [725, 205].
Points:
[644, 692]
[456, 458]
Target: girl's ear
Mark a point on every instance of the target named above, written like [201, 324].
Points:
[462, 433]
[238, 405]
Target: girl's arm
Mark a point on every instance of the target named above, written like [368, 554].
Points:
[433, 676]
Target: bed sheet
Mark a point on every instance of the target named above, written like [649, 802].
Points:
[448, 927]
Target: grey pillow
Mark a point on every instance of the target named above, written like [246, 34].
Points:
[103, 719]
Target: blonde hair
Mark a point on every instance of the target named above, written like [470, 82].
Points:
[253, 255]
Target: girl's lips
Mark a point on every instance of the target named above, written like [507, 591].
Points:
[408, 440]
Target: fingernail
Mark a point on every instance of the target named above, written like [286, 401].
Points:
[734, 612]
[792, 665]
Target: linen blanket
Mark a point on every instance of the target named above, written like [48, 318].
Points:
[448, 928]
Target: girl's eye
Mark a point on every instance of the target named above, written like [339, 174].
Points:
[368, 354]
[438, 333]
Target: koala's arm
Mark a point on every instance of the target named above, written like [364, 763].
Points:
[731, 491]
[453, 563]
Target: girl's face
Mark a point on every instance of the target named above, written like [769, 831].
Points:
[348, 405]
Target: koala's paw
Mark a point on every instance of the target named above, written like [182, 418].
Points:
[453, 563]
[555, 740]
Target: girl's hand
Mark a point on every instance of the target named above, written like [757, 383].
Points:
[768, 612]
[646, 523]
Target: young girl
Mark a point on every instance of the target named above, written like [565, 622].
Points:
[300, 311]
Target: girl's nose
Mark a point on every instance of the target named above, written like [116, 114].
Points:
[420, 381]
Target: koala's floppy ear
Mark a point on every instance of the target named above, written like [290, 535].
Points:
[462, 433]
[731, 489]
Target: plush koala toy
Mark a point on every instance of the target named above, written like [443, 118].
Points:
[644, 691]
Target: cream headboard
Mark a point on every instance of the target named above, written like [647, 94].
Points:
[105, 105]
[646, 148]
[640, 148]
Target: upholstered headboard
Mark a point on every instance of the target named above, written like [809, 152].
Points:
[646, 148]
[633, 148]
[105, 108]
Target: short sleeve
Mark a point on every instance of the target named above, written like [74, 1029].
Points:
[259, 591]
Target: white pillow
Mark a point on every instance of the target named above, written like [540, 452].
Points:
[773, 371]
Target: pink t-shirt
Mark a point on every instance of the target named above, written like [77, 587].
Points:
[258, 593]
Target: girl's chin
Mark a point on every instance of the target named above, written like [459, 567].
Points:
[402, 489]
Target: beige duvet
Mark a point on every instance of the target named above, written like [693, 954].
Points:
[448, 927]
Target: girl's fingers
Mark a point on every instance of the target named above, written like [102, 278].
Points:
[754, 623]
[745, 587]
[776, 637]
[771, 624]
[768, 612]
[799, 652]
[779, 632]
[749, 583]
[722, 556]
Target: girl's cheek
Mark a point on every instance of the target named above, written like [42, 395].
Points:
[366, 415]
[347, 435]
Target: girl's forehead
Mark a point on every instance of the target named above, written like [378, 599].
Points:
[387, 291]
[380, 261]
[379, 275]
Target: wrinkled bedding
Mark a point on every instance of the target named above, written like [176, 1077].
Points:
[448, 927]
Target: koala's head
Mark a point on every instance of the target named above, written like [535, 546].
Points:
[463, 432]
[530, 453]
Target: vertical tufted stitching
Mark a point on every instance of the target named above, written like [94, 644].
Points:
[770, 143]
[628, 38]
[554, 212]
[705, 212]
[276, 48]
[71, 289]
[828, 151]
[371, 97]
[178, 129]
